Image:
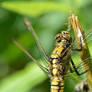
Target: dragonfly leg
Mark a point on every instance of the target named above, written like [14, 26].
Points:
[71, 70]
[75, 69]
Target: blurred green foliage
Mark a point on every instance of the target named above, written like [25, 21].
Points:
[48, 17]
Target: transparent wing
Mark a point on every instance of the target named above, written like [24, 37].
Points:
[30, 56]
[41, 49]
[82, 67]
[88, 37]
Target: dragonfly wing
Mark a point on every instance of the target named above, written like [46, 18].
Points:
[81, 67]
[41, 49]
[88, 36]
[30, 56]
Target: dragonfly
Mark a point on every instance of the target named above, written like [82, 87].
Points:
[59, 60]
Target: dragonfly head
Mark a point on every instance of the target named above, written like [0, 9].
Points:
[64, 36]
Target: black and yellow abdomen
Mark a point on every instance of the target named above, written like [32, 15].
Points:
[57, 85]
[58, 66]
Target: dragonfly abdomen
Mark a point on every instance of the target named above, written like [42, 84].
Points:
[56, 74]
[57, 86]
[57, 81]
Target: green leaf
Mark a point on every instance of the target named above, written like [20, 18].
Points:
[83, 3]
[24, 80]
[35, 8]
[13, 52]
